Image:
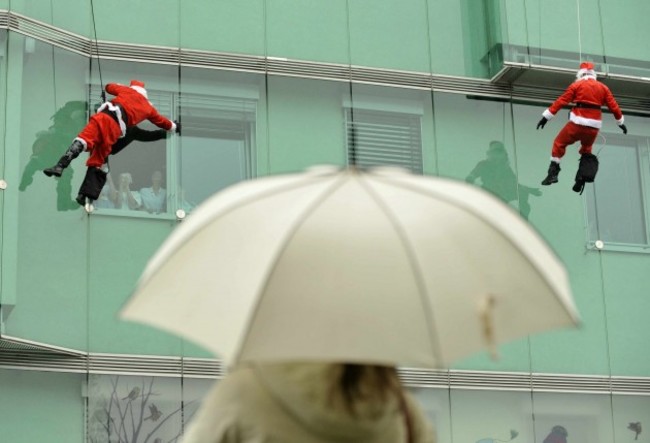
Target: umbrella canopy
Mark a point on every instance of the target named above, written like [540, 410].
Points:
[378, 267]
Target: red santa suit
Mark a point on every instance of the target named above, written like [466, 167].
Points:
[585, 119]
[129, 107]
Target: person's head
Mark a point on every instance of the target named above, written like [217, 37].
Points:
[352, 383]
[156, 179]
[139, 87]
[586, 71]
[561, 430]
[125, 179]
[497, 151]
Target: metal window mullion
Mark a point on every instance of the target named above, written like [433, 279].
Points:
[643, 154]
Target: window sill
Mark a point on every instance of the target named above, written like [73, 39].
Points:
[619, 247]
[133, 214]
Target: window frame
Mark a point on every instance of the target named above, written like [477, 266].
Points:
[643, 155]
[172, 108]
[368, 106]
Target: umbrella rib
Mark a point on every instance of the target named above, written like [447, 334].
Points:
[318, 199]
[401, 233]
[460, 204]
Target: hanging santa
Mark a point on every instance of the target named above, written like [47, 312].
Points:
[129, 107]
[588, 96]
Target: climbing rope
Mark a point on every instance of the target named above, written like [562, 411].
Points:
[99, 66]
[579, 31]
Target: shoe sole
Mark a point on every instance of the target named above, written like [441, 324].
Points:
[50, 174]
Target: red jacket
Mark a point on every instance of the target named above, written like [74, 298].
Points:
[137, 107]
[588, 91]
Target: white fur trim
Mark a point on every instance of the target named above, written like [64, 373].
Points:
[585, 74]
[140, 90]
[173, 128]
[82, 141]
[587, 77]
[547, 114]
[555, 160]
[620, 121]
[590, 122]
[111, 107]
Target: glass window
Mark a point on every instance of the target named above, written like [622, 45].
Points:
[491, 416]
[572, 417]
[156, 174]
[134, 408]
[615, 203]
[216, 149]
[137, 178]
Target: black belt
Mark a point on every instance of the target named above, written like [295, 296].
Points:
[113, 115]
[587, 106]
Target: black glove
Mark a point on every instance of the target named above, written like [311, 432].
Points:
[542, 122]
[178, 127]
[623, 128]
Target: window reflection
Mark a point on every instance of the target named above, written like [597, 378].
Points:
[495, 175]
[48, 147]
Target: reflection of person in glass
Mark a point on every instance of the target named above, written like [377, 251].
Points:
[497, 177]
[557, 435]
[154, 198]
[585, 120]
[50, 144]
[130, 107]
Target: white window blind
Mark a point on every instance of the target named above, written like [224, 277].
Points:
[381, 138]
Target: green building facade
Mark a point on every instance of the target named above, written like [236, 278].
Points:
[450, 88]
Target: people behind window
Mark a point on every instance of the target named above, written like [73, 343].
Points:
[125, 197]
[154, 198]
[108, 196]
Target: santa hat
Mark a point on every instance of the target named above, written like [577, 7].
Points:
[586, 70]
[139, 86]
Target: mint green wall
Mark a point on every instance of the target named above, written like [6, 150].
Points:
[72, 15]
[441, 36]
[69, 273]
[41, 406]
[594, 28]
[305, 123]
[224, 25]
[63, 267]
[151, 23]
[308, 30]
[64, 275]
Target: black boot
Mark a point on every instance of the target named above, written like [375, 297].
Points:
[553, 171]
[73, 152]
[579, 186]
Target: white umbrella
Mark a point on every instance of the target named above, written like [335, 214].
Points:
[340, 265]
